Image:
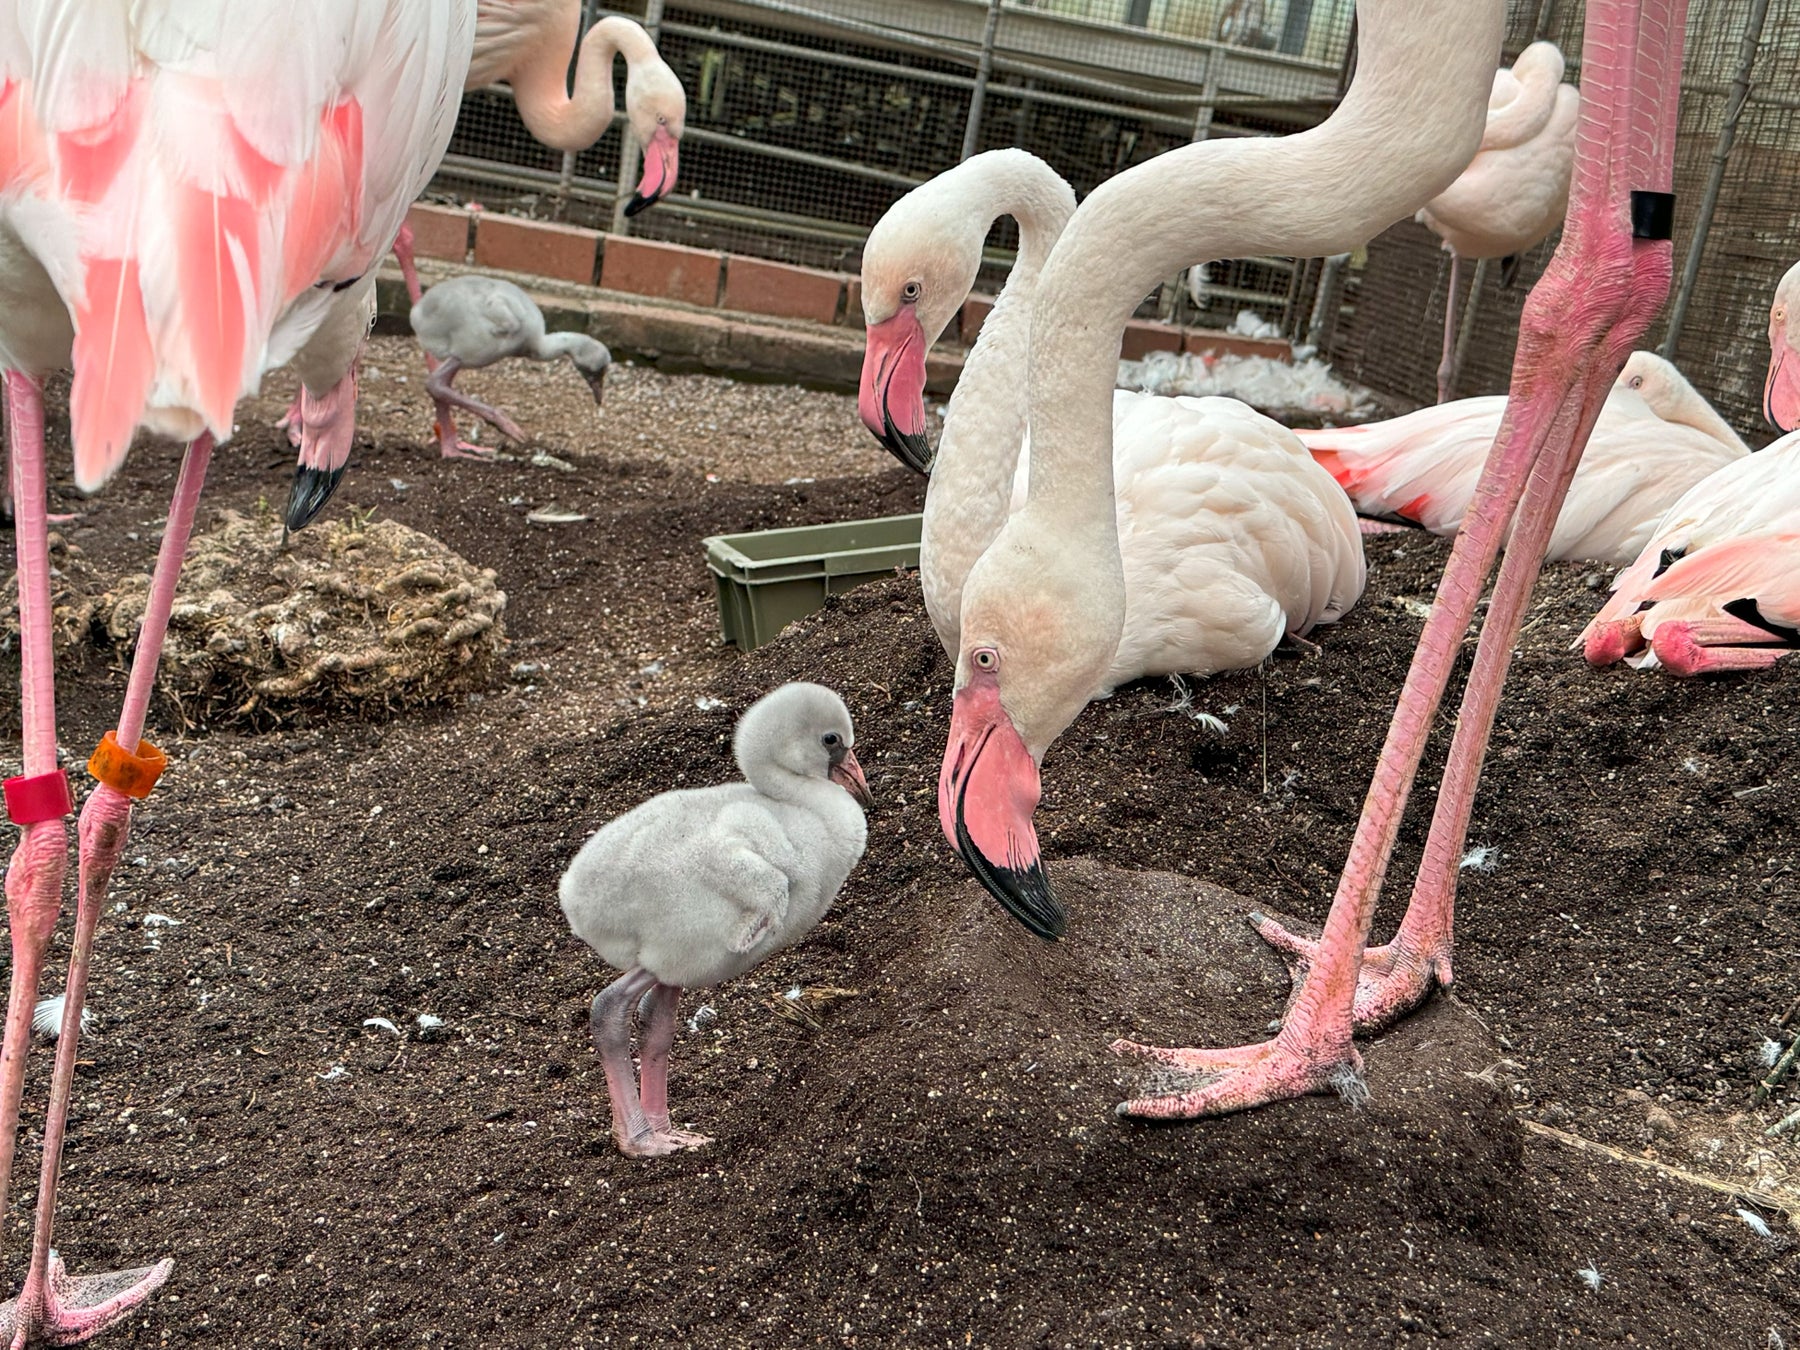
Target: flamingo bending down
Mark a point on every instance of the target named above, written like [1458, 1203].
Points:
[473, 321]
[1657, 436]
[1781, 391]
[1042, 608]
[185, 193]
[1516, 189]
[1232, 537]
[1717, 587]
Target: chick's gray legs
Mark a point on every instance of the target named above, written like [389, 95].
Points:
[450, 443]
[656, 1034]
[610, 1021]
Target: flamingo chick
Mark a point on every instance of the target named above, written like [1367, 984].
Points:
[1717, 587]
[1657, 436]
[473, 321]
[700, 885]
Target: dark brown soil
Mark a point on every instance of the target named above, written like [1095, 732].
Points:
[940, 1165]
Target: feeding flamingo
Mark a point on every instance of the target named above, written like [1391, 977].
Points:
[1657, 436]
[1042, 608]
[1232, 537]
[1781, 391]
[1717, 587]
[1516, 189]
[186, 192]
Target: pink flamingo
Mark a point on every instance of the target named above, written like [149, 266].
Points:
[182, 203]
[1781, 392]
[1516, 189]
[1041, 609]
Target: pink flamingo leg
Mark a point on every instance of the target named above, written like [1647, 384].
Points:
[293, 421]
[447, 399]
[1446, 371]
[403, 254]
[1715, 646]
[1599, 296]
[656, 1036]
[54, 1306]
[34, 880]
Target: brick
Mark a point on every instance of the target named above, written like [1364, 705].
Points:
[974, 313]
[540, 247]
[667, 271]
[1143, 336]
[853, 315]
[1204, 341]
[757, 286]
[439, 232]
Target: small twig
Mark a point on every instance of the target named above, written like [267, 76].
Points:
[1779, 1072]
[1782, 1126]
[1788, 1205]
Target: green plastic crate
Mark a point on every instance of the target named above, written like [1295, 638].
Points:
[769, 578]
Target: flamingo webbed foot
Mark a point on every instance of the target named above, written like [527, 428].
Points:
[1394, 978]
[1196, 1083]
[69, 1309]
[658, 1143]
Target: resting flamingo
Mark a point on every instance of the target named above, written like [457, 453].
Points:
[1042, 608]
[1232, 537]
[1717, 586]
[186, 192]
[1781, 391]
[1657, 436]
[1516, 189]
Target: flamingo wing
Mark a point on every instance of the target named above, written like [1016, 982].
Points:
[511, 32]
[209, 166]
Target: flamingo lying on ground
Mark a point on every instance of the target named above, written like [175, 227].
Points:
[185, 193]
[1232, 537]
[696, 887]
[1717, 587]
[1657, 436]
[1781, 391]
[1516, 189]
[1043, 607]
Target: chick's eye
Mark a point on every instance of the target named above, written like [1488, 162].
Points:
[985, 658]
[830, 740]
[910, 292]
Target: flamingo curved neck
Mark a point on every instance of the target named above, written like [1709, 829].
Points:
[552, 345]
[970, 491]
[540, 88]
[1691, 409]
[1538, 73]
[1409, 124]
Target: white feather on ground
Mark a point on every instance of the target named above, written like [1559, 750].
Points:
[47, 1016]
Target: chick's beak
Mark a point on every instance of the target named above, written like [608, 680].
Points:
[891, 400]
[987, 792]
[848, 774]
[596, 380]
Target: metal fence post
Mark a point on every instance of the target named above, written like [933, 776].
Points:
[984, 71]
[567, 177]
[1715, 177]
[629, 150]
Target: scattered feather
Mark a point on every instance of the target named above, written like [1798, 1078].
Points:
[1351, 1086]
[429, 1023]
[553, 515]
[544, 461]
[1754, 1222]
[161, 921]
[1769, 1052]
[383, 1024]
[1481, 858]
[46, 1018]
[706, 703]
[1303, 386]
[335, 1072]
[702, 1015]
[803, 1005]
[1591, 1277]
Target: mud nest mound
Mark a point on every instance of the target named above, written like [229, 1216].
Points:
[75, 591]
[349, 617]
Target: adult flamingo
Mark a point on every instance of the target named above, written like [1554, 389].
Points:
[1781, 391]
[1232, 537]
[1657, 436]
[1516, 189]
[186, 192]
[1717, 586]
[1041, 609]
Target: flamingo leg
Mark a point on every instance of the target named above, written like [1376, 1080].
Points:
[1687, 647]
[403, 254]
[55, 1307]
[293, 421]
[446, 397]
[1597, 299]
[610, 1023]
[656, 1035]
[1446, 372]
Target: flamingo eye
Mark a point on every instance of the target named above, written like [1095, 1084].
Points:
[910, 292]
[985, 658]
[1637, 381]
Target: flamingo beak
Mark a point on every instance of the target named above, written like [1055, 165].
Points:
[891, 400]
[848, 774]
[596, 380]
[1781, 392]
[987, 792]
[661, 159]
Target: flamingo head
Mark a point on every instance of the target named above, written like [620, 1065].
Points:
[1781, 393]
[918, 267]
[1041, 621]
[1657, 382]
[656, 107]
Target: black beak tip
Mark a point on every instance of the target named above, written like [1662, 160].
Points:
[311, 489]
[910, 448]
[639, 202]
[1025, 893]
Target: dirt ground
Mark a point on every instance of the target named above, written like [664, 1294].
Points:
[938, 1163]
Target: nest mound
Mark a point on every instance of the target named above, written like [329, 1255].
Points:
[75, 594]
[346, 617]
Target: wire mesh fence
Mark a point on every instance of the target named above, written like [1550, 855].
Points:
[806, 120]
[1737, 227]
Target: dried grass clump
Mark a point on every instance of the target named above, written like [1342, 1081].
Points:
[351, 617]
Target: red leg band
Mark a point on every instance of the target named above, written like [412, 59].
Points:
[134, 775]
[43, 796]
